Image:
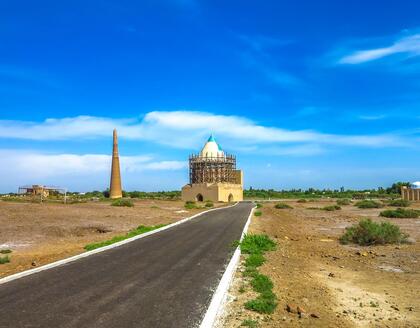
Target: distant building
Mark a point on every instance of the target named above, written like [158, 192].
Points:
[40, 190]
[411, 193]
[213, 176]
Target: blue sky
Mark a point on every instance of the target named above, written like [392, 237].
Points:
[306, 94]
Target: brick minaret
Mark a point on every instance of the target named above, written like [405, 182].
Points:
[115, 190]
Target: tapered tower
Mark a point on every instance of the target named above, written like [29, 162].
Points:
[115, 190]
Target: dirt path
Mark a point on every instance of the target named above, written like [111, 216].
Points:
[345, 286]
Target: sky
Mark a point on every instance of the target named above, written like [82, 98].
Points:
[321, 94]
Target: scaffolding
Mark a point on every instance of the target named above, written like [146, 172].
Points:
[212, 169]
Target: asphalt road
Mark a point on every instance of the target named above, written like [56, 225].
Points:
[163, 280]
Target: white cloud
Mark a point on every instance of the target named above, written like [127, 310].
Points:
[409, 46]
[183, 129]
[166, 165]
[34, 165]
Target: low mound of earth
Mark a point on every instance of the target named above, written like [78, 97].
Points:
[39, 234]
[334, 285]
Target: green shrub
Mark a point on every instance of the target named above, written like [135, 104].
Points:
[259, 205]
[400, 213]
[254, 260]
[257, 213]
[190, 204]
[368, 204]
[399, 203]
[261, 283]
[138, 231]
[331, 208]
[5, 251]
[4, 259]
[209, 203]
[122, 202]
[250, 271]
[264, 303]
[343, 201]
[282, 206]
[367, 232]
[257, 244]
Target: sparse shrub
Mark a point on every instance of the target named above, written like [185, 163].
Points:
[399, 203]
[190, 204]
[261, 283]
[400, 213]
[138, 231]
[249, 323]
[264, 303]
[367, 232]
[4, 259]
[302, 200]
[257, 213]
[257, 244]
[254, 260]
[5, 251]
[368, 204]
[283, 206]
[343, 201]
[259, 205]
[331, 208]
[209, 203]
[122, 202]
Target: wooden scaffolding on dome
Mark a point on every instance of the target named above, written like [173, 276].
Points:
[212, 169]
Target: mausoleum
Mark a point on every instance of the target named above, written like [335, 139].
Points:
[213, 176]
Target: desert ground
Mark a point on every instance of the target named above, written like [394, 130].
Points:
[335, 285]
[38, 234]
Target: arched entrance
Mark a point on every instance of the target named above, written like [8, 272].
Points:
[199, 198]
[230, 198]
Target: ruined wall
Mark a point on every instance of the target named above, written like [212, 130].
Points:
[410, 194]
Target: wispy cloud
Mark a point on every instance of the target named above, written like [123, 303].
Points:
[259, 57]
[372, 117]
[262, 43]
[41, 165]
[299, 150]
[408, 46]
[270, 71]
[185, 129]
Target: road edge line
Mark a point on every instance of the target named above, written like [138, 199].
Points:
[220, 295]
[103, 249]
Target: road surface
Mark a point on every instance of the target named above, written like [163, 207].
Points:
[163, 280]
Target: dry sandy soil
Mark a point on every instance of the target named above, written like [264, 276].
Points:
[344, 286]
[41, 233]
